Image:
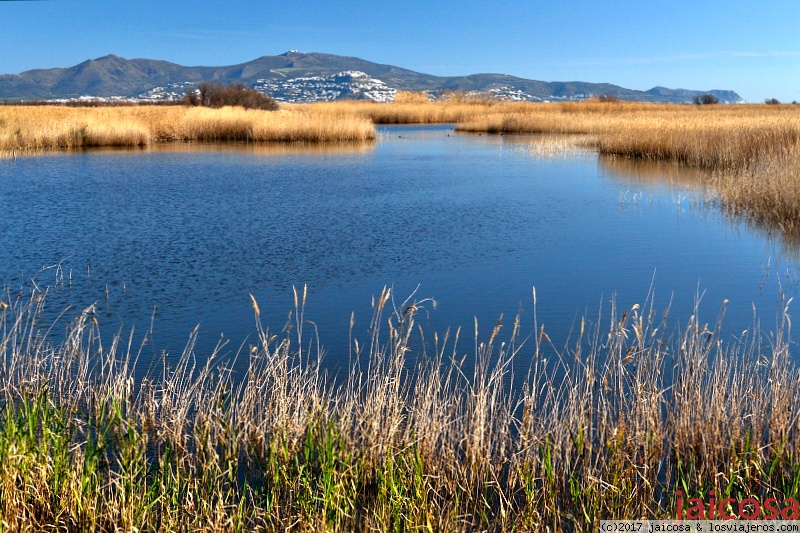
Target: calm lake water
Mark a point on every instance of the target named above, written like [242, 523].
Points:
[182, 235]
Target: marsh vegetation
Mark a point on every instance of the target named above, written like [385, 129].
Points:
[609, 426]
[38, 128]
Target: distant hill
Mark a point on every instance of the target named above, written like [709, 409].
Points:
[297, 76]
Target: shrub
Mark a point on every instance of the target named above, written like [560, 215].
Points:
[217, 95]
[192, 98]
[706, 99]
[608, 98]
[772, 101]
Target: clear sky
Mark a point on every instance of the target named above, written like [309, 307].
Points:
[750, 47]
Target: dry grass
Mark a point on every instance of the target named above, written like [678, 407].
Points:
[32, 129]
[407, 112]
[609, 427]
[767, 191]
[723, 141]
[549, 146]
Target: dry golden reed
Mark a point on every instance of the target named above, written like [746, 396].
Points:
[767, 191]
[31, 129]
[410, 108]
[609, 426]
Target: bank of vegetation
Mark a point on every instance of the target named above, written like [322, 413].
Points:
[611, 425]
[417, 108]
[34, 129]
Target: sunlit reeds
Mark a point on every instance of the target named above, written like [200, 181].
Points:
[449, 440]
[31, 129]
[766, 191]
[408, 112]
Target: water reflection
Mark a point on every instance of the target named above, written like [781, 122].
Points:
[655, 173]
[782, 244]
[243, 148]
[185, 233]
[786, 244]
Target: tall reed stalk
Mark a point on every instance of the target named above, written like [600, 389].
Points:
[444, 440]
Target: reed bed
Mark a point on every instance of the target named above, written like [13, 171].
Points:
[32, 129]
[704, 136]
[609, 427]
[767, 191]
[414, 112]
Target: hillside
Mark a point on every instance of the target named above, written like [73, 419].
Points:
[296, 76]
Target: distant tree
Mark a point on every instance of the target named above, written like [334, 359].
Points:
[706, 99]
[217, 95]
[772, 101]
[608, 98]
[192, 97]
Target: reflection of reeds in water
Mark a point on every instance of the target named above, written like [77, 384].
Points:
[767, 194]
[609, 427]
[764, 196]
[655, 173]
[251, 148]
[32, 129]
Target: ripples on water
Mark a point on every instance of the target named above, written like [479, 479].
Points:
[188, 232]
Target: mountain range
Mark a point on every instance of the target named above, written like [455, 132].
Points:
[298, 77]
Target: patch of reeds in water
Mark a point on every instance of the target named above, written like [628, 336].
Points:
[31, 129]
[767, 190]
[609, 427]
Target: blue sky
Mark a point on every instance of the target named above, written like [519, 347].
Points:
[752, 48]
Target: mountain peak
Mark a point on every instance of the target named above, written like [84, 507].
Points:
[110, 57]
